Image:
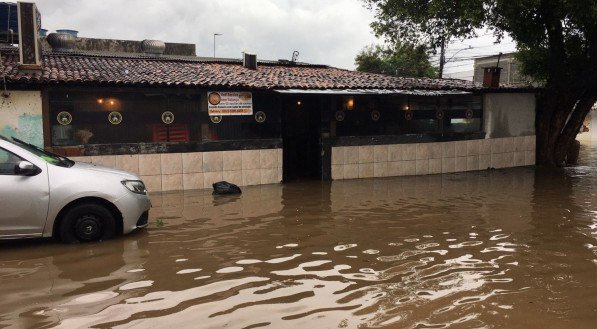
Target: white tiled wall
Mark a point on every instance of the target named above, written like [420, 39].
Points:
[198, 170]
[431, 158]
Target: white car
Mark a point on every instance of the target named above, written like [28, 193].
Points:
[47, 195]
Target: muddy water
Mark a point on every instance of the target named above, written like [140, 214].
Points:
[506, 248]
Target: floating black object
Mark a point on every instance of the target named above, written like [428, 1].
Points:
[224, 187]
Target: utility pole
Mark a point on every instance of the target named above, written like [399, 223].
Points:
[215, 34]
[442, 57]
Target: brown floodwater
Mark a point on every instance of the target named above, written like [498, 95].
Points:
[513, 248]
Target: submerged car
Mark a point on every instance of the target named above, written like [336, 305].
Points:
[46, 195]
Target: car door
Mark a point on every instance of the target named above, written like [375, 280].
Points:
[23, 199]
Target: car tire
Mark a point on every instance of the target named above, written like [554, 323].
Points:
[87, 222]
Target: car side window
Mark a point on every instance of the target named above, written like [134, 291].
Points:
[8, 161]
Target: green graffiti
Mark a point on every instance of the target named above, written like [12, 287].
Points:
[29, 128]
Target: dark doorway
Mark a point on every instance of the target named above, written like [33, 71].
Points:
[301, 134]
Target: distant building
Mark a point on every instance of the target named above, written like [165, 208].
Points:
[510, 73]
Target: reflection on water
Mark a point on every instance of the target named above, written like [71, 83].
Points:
[503, 248]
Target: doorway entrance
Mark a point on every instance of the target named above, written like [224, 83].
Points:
[301, 131]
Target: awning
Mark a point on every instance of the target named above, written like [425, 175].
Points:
[413, 92]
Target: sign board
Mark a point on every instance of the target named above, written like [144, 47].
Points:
[229, 103]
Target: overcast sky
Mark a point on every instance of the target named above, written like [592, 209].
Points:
[324, 32]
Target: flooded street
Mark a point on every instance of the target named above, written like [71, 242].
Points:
[513, 248]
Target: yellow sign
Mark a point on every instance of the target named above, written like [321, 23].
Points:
[229, 103]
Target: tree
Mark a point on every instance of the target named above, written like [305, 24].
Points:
[556, 40]
[400, 59]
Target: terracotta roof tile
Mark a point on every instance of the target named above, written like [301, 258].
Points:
[95, 69]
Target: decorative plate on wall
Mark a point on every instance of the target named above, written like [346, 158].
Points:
[439, 114]
[468, 114]
[167, 117]
[408, 115]
[64, 118]
[260, 116]
[375, 115]
[115, 118]
[216, 118]
[340, 115]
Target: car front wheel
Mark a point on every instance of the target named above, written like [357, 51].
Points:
[87, 222]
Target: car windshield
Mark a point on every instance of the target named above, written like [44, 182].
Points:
[48, 157]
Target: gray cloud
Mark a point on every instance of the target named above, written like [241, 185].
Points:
[327, 32]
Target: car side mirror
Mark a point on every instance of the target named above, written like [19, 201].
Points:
[26, 168]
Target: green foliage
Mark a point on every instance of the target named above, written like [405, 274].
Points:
[401, 59]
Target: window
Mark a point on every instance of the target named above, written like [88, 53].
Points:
[8, 161]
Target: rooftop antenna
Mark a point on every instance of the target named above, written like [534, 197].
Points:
[295, 56]
[215, 34]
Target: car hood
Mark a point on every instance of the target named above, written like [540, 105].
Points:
[105, 170]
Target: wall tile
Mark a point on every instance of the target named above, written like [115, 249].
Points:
[337, 171]
[150, 164]
[233, 176]
[484, 161]
[251, 177]
[408, 168]
[472, 148]
[460, 164]
[435, 150]
[251, 159]
[280, 174]
[232, 160]
[172, 182]
[104, 160]
[128, 162]
[280, 158]
[380, 153]
[395, 152]
[171, 163]
[519, 158]
[338, 155]
[485, 146]
[213, 162]
[448, 165]
[460, 147]
[422, 151]
[422, 166]
[509, 159]
[192, 181]
[529, 143]
[351, 154]
[351, 171]
[211, 177]
[192, 162]
[268, 159]
[269, 176]
[409, 152]
[497, 160]
[366, 154]
[153, 183]
[497, 145]
[519, 144]
[393, 168]
[472, 162]
[380, 169]
[529, 158]
[509, 145]
[435, 166]
[449, 149]
[366, 169]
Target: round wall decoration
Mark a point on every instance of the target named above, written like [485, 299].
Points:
[216, 118]
[214, 98]
[115, 118]
[340, 115]
[167, 117]
[408, 115]
[375, 115]
[439, 114]
[260, 116]
[64, 118]
[468, 114]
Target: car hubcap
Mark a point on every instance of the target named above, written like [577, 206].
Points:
[88, 227]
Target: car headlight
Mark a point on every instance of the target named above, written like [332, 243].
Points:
[135, 186]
